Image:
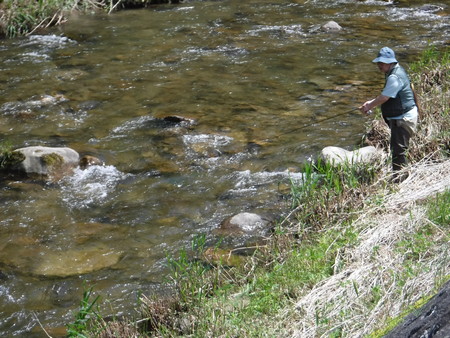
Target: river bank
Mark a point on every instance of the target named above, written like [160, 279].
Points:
[26, 17]
[353, 257]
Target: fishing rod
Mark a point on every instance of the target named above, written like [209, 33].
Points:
[315, 122]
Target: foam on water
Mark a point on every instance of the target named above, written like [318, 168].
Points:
[401, 14]
[248, 180]
[90, 186]
[52, 41]
[212, 140]
[286, 29]
[33, 103]
[124, 128]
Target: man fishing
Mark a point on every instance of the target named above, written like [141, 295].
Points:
[398, 106]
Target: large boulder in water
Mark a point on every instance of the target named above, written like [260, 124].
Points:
[337, 156]
[74, 262]
[28, 256]
[44, 161]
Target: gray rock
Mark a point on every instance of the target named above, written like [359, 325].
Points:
[336, 155]
[245, 222]
[431, 321]
[331, 26]
[46, 161]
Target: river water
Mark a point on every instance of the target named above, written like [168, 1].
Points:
[244, 76]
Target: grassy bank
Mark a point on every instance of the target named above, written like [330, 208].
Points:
[27, 16]
[351, 258]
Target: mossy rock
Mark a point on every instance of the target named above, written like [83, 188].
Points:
[42, 161]
[52, 159]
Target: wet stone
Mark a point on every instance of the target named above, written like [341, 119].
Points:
[245, 223]
[336, 155]
[77, 261]
[331, 26]
[44, 161]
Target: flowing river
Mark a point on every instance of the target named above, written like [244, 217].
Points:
[243, 76]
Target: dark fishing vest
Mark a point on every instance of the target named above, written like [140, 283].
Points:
[404, 101]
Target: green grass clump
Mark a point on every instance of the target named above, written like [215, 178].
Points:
[439, 210]
[8, 157]
[84, 317]
[22, 17]
[329, 193]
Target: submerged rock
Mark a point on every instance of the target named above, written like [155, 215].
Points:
[77, 261]
[178, 120]
[336, 155]
[217, 256]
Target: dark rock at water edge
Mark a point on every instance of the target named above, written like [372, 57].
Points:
[88, 161]
[431, 321]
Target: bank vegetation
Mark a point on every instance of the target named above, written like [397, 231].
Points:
[28, 16]
[354, 254]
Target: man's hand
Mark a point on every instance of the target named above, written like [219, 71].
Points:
[366, 108]
[369, 105]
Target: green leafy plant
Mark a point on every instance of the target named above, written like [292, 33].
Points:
[439, 209]
[85, 314]
[189, 273]
[8, 157]
[328, 191]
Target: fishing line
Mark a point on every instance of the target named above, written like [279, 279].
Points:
[316, 122]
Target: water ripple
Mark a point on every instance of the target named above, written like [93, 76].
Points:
[91, 186]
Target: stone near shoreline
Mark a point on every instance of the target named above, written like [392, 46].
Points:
[338, 156]
[244, 223]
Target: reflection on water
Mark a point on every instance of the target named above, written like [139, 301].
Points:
[195, 109]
